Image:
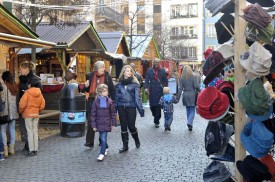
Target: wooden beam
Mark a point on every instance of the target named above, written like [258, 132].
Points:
[239, 48]
[72, 60]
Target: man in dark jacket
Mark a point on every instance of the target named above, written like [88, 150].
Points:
[98, 76]
[155, 80]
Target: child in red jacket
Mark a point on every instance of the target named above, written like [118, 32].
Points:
[30, 105]
[103, 117]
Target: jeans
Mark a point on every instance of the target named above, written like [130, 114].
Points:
[190, 110]
[168, 118]
[1, 143]
[103, 138]
[4, 127]
[32, 129]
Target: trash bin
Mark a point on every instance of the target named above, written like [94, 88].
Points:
[72, 106]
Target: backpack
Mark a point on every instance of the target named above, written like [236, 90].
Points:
[214, 137]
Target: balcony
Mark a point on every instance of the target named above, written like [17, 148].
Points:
[183, 16]
[108, 16]
[191, 36]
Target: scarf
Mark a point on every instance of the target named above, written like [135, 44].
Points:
[127, 81]
[102, 101]
[96, 80]
[156, 73]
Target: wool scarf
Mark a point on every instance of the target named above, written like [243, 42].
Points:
[102, 101]
[156, 73]
[96, 80]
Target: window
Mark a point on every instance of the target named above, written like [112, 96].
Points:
[184, 10]
[184, 30]
[192, 52]
[211, 31]
[140, 9]
[184, 52]
[157, 27]
[175, 10]
[140, 29]
[157, 8]
[193, 10]
[175, 31]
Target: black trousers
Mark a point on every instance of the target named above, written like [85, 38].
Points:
[23, 130]
[90, 135]
[127, 117]
[156, 112]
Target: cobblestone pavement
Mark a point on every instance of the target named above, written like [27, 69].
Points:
[178, 155]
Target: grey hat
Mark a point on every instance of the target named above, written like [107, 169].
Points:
[257, 60]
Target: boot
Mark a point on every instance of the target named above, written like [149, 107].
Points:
[135, 137]
[26, 148]
[125, 140]
[11, 149]
[6, 153]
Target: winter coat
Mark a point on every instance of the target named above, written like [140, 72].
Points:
[129, 96]
[155, 86]
[31, 103]
[108, 81]
[103, 118]
[24, 80]
[190, 88]
[9, 101]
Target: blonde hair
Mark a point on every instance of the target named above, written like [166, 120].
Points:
[100, 88]
[166, 90]
[27, 64]
[187, 72]
[121, 75]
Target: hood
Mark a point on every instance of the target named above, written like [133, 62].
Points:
[35, 92]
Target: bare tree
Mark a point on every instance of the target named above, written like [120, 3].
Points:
[137, 18]
[37, 12]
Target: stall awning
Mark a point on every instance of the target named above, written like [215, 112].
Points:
[25, 42]
[117, 56]
[28, 50]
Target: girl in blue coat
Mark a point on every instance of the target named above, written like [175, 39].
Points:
[103, 117]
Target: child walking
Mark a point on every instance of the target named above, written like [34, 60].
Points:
[31, 103]
[166, 103]
[103, 117]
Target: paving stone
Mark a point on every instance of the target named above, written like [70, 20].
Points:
[178, 155]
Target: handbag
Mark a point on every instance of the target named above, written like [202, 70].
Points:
[6, 118]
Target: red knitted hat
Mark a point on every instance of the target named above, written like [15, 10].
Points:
[270, 163]
[207, 52]
[212, 104]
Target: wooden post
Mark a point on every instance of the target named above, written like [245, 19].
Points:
[239, 48]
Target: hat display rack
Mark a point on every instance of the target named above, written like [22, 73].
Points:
[244, 102]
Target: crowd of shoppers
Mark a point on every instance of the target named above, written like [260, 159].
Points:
[106, 104]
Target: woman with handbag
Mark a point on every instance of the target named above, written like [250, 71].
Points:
[10, 91]
[190, 87]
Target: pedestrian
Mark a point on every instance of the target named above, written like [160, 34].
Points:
[166, 103]
[30, 105]
[155, 80]
[103, 117]
[127, 100]
[95, 78]
[26, 74]
[1, 148]
[190, 88]
[10, 91]
[137, 75]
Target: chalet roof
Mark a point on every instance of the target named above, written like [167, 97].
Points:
[140, 44]
[112, 41]
[9, 24]
[65, 35]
